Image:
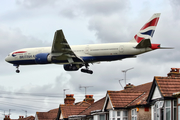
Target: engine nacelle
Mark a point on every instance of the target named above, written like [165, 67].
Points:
[72, 67]
[43, 58]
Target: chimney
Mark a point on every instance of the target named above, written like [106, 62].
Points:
[175, 72]
[89, 99]
[69, 100]
[7, 117]
[21, 117]
[129, 85]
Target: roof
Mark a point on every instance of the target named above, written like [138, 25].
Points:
[98, 105]
[136, 95]
[69, 110]
[83, 103]
[50, 115]
[27, 118]
[168, 85]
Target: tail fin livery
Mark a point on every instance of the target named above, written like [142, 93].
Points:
[147, 31]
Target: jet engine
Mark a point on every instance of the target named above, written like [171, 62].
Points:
[43, 58]
[72, 67]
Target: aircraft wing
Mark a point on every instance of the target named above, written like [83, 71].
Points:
[61, 50]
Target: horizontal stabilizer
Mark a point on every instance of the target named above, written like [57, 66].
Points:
[144, 43]
[166, 48]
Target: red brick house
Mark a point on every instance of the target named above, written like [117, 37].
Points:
[72, 110]
[164, 96]
[157, 100]
[127, 104]
[7, 117]
[50, 115]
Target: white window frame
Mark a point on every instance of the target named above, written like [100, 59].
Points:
[118, 116]
[113, 115]
[124, 117]
[174, 107]
[134, 115]
[165, 107]
[103, 115]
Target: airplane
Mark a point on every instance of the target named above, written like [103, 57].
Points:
[77, 56]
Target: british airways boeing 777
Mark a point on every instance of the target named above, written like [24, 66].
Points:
[77, 56]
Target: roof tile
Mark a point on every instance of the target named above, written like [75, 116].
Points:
[168, 85]
[50, 115]
[131, 96]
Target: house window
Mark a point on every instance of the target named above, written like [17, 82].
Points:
[125, 115]
[158, 110]
[178, 108]
[102, 117]
[168, 109]
[134, 114]
[114, 115]
[119, 115]
[174, 109]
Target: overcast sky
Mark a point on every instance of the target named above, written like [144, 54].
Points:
[32, 23]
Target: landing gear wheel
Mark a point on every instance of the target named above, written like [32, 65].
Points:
[17, 66]
[17, 71]
[87, 71]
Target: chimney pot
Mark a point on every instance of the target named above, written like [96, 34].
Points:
[7, 117]
[175, 72]
[69, 100]
[89, 99]
[129, 85]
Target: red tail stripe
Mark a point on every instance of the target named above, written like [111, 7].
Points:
[138, 39]
[151, 23]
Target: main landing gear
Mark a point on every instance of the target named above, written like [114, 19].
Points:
[17, 71]
[87, 69]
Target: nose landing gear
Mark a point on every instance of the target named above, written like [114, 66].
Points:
[17, 71]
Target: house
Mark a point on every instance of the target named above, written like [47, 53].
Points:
[50, 115]
[7, 117]
[87, 114]
[71, 110]
[127, 104]
[157, 100]
[164, 96]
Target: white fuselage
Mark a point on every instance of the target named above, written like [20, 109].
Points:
[89, 53]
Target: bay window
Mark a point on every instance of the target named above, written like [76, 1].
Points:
[118, 115]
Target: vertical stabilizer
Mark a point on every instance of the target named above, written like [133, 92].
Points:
[147, 31]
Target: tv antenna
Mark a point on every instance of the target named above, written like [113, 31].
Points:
[4, 112]
[85, 87]
[125, 74]
[120, 82]
[25, 113]
[10, 111]
[65, 92]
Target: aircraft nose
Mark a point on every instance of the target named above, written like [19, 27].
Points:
[7, 59]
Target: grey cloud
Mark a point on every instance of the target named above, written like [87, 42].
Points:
[13, 39]
[175, 4]
[92, 8]
[35, 3]
[111, 29]
[68, 13]
[107, 7]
